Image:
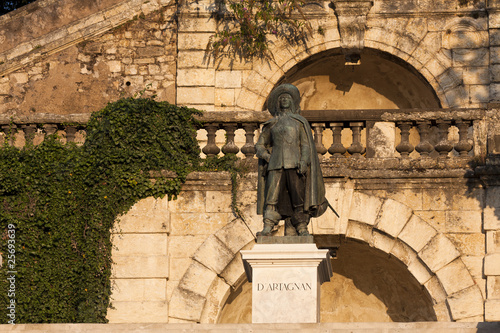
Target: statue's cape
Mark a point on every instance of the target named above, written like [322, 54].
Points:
[315, 202]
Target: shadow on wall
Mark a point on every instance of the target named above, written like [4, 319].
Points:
[380, 82]
[367, 286]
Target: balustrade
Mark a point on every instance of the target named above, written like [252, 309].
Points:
[337, 133]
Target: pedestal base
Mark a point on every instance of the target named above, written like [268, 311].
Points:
[286, 280]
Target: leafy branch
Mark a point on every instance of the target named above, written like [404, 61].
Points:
[244, 28]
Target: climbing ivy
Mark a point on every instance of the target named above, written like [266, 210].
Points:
[62, 201]
[244, 26]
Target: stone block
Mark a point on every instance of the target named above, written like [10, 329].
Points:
[214, 254]
[142, 244]
[492, 310]
[18, 78]
[417, 233]
[419, 271]
[115, 66]
[184, 246]
[382, 242]
[454, 277]
[224, 97]
[248, 100]
[492, 241]
[495, 92]
[470, 57]
[494, 20]
[189, 202]
[218, 201]
[149, 215]
[438, 252]
[197, 24]
[177, 268]
[145, 266]
[495, 73]
[5, 88]
[466, 303]
[194, 59]
[195, 95]
[138, 312]
[493, 287]
[198, 223]
[393, 217]
[435, 199]
[195, 77]
[463, 221]
[228, 79]
[479, 93]
[234, 274]
[213, 306]
[403, 252]
[468, 244]
[492, 264]
[492, 208]
[495, 55]
[457, 97]
[364, 208]
[235, 235]
[442, 312]
[198, 279]
[186, 305]
[359, 231]
[476, 75]
[189, 41]
[436, 290]
[139, 290]
[474, 264]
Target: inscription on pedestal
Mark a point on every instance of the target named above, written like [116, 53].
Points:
[286, 281]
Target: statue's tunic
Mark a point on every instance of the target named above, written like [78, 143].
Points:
[285, 146]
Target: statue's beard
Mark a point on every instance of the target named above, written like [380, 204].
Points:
[283, 111]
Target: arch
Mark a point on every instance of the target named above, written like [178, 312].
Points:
[421, 53]
[384, 224]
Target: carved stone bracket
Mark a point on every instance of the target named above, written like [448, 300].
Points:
[351, 17]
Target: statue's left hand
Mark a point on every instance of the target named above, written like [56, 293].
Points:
[302, 168]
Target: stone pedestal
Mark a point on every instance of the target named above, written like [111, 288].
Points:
[286, 280]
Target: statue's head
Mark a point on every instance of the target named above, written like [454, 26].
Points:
[285, 96]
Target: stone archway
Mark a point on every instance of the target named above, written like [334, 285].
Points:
[420, 54]
[385, 224]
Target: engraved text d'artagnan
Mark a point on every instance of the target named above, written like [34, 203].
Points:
[283, 286]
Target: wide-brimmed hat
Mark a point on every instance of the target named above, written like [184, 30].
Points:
[286, 88]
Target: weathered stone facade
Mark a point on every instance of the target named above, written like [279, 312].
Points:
[418, 194]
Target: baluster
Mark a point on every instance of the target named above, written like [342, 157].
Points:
[356, 148]
[70, 132]
[49, 129]
[405, 147]
[211, 148]
[337, 149]
[230, 147]
[424, 147]
[249, 148]
[444, 146]
[29, 133]
[318, 139]
[10, 133]
[463, 146]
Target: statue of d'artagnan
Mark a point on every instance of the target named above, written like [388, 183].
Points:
[290, 184]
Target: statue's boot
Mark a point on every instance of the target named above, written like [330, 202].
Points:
[302, 229]
[268, 228]
[289, 228]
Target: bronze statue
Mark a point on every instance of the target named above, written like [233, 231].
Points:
[290, 185]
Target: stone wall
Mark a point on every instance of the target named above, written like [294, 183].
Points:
[432, 227]
[80, 64]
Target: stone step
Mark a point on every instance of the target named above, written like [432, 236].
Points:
[432, 327]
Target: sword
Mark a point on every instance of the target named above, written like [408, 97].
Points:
[333, 210]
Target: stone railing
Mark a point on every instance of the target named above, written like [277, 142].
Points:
[338, 133]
